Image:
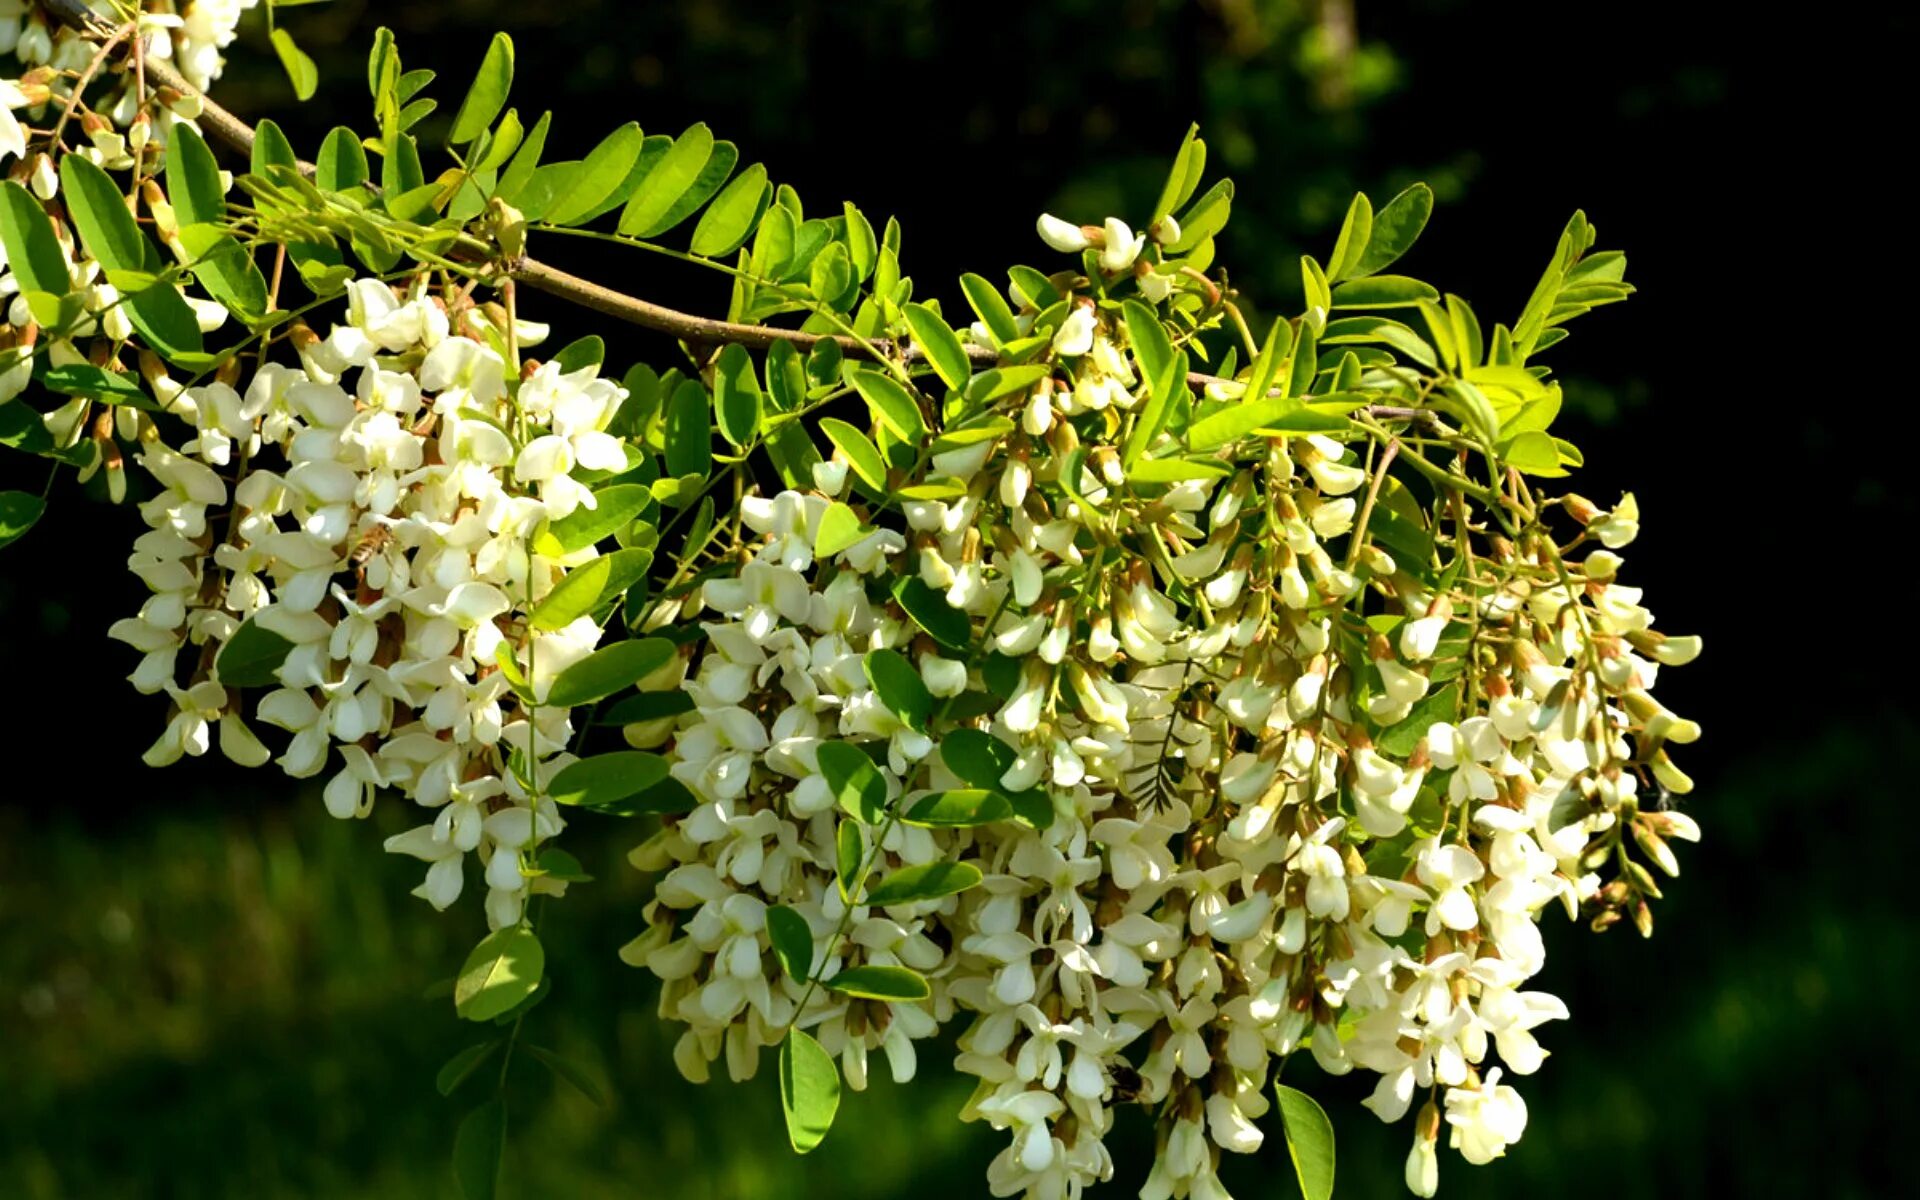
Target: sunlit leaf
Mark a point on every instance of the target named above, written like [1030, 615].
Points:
[881, 983]
[1309, 1141]
[488, 94]
[809, 1090]
[501, 971]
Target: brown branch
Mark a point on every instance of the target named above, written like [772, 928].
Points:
[687, 326]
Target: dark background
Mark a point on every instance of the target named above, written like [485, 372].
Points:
[208, 988]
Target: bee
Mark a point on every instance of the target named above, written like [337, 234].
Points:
[373, 543]
[1127, 1084]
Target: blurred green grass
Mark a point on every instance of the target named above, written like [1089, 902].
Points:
[223, 998]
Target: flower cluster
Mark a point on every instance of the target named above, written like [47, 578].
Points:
[1297, 789]
[378, 537]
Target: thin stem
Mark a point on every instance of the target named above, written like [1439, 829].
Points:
[1373, 495]
[86, 76]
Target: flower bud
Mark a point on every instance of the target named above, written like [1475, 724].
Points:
[1062, 236]
[41, 178]
[1602, 565]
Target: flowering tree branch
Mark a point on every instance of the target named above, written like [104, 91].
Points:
[1141, 716]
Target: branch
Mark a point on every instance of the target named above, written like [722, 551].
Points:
[237, 134]
[687, 326]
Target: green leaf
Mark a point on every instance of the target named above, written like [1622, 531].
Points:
[478, 1146]
[859, 450]
[930, 881]
[881, 983]
[991, 307]
[226, 270]
[670, 178]
[809, 1090]
[556, 863]
[525, 161]
[840, 527]
[108, 387]
[850, 849]
[33, 251]
[792, 940]
[977, 429]
[488, 95]
[20, 426]
[614, 507]
[1033, 288]
[689, 445]
[960, 809]
[1313, 281]
[1237, 421]
[1395, 228]
[940, 344]
[607, 782]
[251, 656]
[1401, 737]
[719, 165]
[610, 669]
[510, 667]
[342, 164]
[1355, 232]
[193, 178]
[1189, 163]
[930, 611]
[731, 217]
[501, 971]
[101, 217]
[830, 276]
[571, 1072]
[647, 706]
[1534, 453]
[1305, 362]
[736, 395]
[890, 402]
[301, 72]
[899, 687]
[1383, 331]
[977, 757]
[500, 147]
[1309, 1141]
[574, 596]
[1266, 365]
[271, 148]
[580, 353]
[1176, 470]
[1473, 407]
[1160, 368]
[18, 513]
[854, 780]
[604, 169]
[462, 1065]
[1383, 292]
[863, 249]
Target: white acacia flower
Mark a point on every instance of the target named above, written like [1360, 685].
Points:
[1486, 1119]
[1120, 246]
[1075, 335]
[1063, 236]
[1449, 870]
